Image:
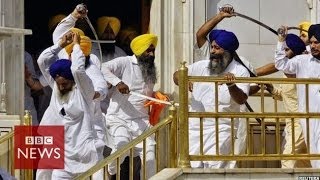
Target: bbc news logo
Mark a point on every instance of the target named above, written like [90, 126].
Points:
[39, 147]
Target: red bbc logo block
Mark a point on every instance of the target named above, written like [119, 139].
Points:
[39, 147]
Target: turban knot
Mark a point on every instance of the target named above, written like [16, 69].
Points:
[61, 68]
[103, 22]
[305, 26]
[85, 46]
[314, 30]
[141, 43]
[225, 39]
[295, 43]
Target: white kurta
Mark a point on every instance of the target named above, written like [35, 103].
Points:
[203, 100]
[304, 66]
[94, 73]
[80, 137]
[241, 133]
[126, 116]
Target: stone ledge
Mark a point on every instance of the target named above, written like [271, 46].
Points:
[168, 174]
[250, 170]
[246, 173]
[8, 31]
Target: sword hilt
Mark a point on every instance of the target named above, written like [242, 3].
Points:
[82, 8]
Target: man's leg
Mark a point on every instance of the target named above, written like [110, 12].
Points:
[224, 147]
[300, 146]
[121, 136]
[61, 174]
[44, 174]
[150, 161]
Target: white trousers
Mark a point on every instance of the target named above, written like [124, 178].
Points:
[314, 132]
[209, 143]
[122, 133]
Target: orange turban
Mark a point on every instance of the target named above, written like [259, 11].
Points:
[77, 30]
[305, 26]
[85, 45]
[103, 22]
[141, 43]
[54, 21]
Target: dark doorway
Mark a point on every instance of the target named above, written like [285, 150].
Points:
[37, 14]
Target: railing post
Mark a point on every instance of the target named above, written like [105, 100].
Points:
[184, 159]
[28, 173]
[173, 136]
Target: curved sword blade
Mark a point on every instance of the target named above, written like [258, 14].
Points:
[257, 22]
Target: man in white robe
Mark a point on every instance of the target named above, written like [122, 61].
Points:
[202, 50]
[92, 69]
[71, 105]
[305, 66]
[231, 95]
[127, 117]
[294, 45]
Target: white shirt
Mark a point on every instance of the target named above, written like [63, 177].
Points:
[80, 150]
[304, 66]
[93, 70]
[203, 95]
[118, 52]
[127, 70]
[204, 53]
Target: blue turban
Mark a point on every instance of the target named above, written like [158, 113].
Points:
[295, 43]
[62, 68]
[225, 39]
[314, 30]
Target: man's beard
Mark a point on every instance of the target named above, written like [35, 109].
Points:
[108, 47]
[63, 96]
[315, 53]
[148, 69]
[219, 62]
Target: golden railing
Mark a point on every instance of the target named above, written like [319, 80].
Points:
[8, 138]
[184, 115]
[170, 122]
[28, 173]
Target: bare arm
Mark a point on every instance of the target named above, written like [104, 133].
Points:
[236, 93]
[266, 69]
[176, 78]
[209, 25]
[34, 84]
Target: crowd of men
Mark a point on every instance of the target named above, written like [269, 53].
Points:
[93, 101]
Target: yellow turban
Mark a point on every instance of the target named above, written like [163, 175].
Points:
[305, 26]
[77, 30]
[141, 43]
[54, 21]
[85, 45]
[103, 22]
